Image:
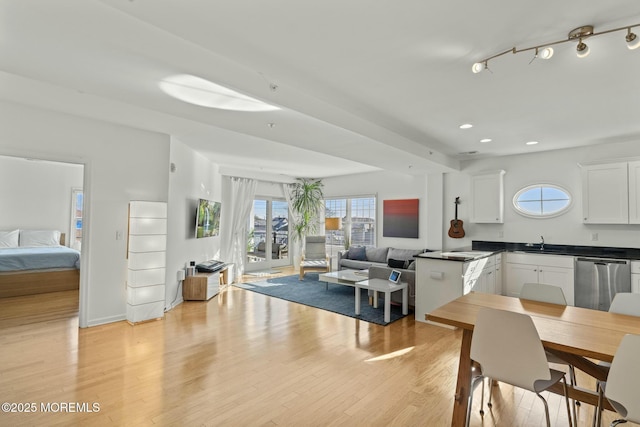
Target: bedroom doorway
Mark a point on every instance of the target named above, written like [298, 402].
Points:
[42, 202]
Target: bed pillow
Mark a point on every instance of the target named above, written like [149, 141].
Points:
[9, 239]
[39, 238]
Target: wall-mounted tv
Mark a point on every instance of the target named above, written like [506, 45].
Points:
[207, 218]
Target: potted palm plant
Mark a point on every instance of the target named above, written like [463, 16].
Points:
[307, 200]
[307, 203]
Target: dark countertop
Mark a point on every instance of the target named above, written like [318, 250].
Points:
[551, 249]
[456, 255]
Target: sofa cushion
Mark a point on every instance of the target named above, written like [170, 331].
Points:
[411, 264]
[358, 253]
[377, 254]
[354, 264]
[403, 254]
[396, 263]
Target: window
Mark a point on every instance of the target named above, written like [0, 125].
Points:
[75, 240]
[542, 201]
[363, 221]
[358, 216]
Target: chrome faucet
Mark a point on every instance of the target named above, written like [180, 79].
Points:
[541, 243]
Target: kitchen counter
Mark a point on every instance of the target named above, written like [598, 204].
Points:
[456, 255]
[550, 249]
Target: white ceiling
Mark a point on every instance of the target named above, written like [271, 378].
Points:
[362, 85]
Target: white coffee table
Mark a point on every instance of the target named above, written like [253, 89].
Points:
[344, 277]
[382, 285]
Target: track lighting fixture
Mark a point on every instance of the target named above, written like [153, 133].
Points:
[582, 49]
[633, 41]
[545, 51]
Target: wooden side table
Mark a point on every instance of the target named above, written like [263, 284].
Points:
[201, 286]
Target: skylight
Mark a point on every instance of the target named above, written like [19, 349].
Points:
[198, 91]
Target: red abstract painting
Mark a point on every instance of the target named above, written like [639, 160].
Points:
[400, 218]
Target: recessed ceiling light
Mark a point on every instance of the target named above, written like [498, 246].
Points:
[532, 142]
[466, 126]
[198, 91]
[486, 140]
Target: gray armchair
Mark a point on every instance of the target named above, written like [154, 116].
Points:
[315, 255]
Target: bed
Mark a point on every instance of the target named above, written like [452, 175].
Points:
[36, 262]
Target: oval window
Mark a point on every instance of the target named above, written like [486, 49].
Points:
[542, 201]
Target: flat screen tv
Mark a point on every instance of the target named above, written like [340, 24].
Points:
[207, 218]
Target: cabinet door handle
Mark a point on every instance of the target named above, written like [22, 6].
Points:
[491, 272]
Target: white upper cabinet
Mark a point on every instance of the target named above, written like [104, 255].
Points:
[634, 192]
[611, 193]
[487, 197]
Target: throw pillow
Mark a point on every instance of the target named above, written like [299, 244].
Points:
[358, 253]
[410, 264]
[396, 263]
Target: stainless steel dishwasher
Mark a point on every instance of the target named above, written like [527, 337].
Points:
[597, 280]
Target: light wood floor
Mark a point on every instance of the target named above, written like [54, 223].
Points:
[241, 359]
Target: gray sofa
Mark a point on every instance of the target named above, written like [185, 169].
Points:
[380, 262]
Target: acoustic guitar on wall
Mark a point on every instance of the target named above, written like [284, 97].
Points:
[456, 231]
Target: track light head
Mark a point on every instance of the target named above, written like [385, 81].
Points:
[633, 41]
[582, 49]
[477, 67]
[546, 53]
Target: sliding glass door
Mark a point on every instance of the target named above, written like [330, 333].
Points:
[268, 234]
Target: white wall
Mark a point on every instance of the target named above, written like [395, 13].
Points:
[121, 164]
[194, 178]
[37, 194]
[558, 167]
[392, 186]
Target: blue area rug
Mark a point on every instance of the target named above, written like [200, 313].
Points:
[310, 291]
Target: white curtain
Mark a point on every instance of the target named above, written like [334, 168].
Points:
[240, 193]
[295, 216]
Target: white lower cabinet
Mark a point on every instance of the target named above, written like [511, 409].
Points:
[481, 276]
[635, 277]
[498, 274]
[535, 268]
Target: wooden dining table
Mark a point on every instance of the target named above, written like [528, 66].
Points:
[579, 336]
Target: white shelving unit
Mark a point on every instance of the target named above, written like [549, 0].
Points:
[146, 253]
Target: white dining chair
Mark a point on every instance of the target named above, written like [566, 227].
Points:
[476, 379]
[508, 348]
[623, 383]
[554, 295]
[543, 293]
[623, 303]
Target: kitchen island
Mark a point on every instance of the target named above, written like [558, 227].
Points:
[442, 277]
